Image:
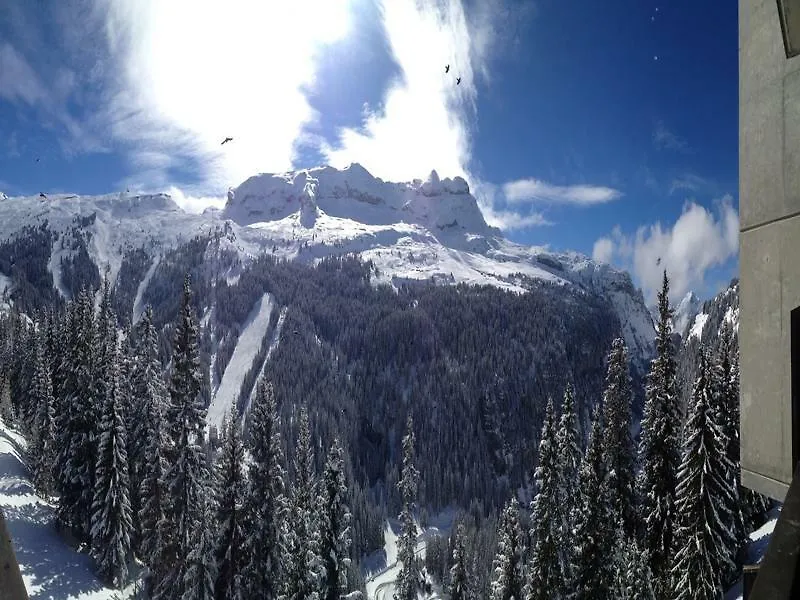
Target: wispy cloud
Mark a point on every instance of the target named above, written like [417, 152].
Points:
[535, 190]
[698, 241]
[498, 213]
[663, 138]
[690, 182]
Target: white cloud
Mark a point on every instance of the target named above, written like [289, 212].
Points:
[698, 241]
[497, 214]
[535, 190]
[663, 138]
[18, 81]
[423, 122]
[195, 204]
[690, 183]
[603, 250]
[189, 74]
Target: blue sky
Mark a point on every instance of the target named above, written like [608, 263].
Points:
[609, 128]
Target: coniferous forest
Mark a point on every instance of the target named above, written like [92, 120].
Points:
[286, 500]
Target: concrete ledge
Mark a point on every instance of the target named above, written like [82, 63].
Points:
[766, 485]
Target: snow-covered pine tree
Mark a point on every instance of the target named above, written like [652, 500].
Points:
[43, 450]
[153, 492]
[6, 406]
[111, 510]
[408, 580]
[618, 449]
[508, 574]
[702, 500]
[148, 405]
[545, 571]
[632, 576]
[187, 475]
[79, 443]
[304, 576]
[266, 503]
[569, 456]
[231, 555]
[725, 410]
[459, 578]
[335, 526]
[659, 453]
[595, 532]
[201, 570]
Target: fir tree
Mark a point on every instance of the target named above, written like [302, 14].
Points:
[702, 500]
[231, 554]
[508, 580]
[408, 580]
[201, 571]
[6, 406]
[44, 450]
[154, 492]
[111, 511]
[632, 575]
[266, 501]
[459, 578]
[659, 450]
[335, 526]
[304, 576]
[546, 572]
[568, 445]
[595, 533]
[187, 472]
[618, 450]
[79, 424]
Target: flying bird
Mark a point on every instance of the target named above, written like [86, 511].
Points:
[658, 262]
[227, 139]
[458, 80]
[447, 68]
[42, 195]
[37, 159]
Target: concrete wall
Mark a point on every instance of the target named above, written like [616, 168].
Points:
[11, 584]
[769, 200]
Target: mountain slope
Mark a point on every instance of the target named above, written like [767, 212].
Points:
[423, 230]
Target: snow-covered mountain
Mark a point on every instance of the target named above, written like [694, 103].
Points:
[420, 230]
[685, 313]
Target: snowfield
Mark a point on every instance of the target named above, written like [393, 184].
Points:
[50, 568]
[242, 359]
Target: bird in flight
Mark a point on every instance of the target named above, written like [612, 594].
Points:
[447, 68]
[42, 195]
[658, 262]
[37, 159]
[458, 80]
[227, 139]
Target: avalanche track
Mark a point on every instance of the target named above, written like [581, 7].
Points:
[246, 348]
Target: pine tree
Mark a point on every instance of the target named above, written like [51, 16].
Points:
[632, 575]
[659, 453]
[569, 455]
[111, 511]
[408, 580]
[153, 492]
[703, 497]
[6, 406]
[43, 451]
[231, 557]
[618, 450]
[335, 526]
[508, 580]
[201, 571]
[595, 533]
[546, 572]
[459, 578]
[266, 501]
[79, 424]
[187, 470]
[304, 576]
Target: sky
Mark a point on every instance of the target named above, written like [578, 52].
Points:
[608, 128]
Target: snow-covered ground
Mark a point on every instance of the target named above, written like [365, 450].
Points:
[246, 349]
[697, 326]
[50, 568]
[382, 568]
[273, 344]
[759, 540]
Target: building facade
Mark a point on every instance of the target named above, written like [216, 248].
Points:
[769, 242]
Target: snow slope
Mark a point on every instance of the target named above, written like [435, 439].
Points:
[242, 358]
[756, 548]
[697, 326]
[50, 568]
[687, 309]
